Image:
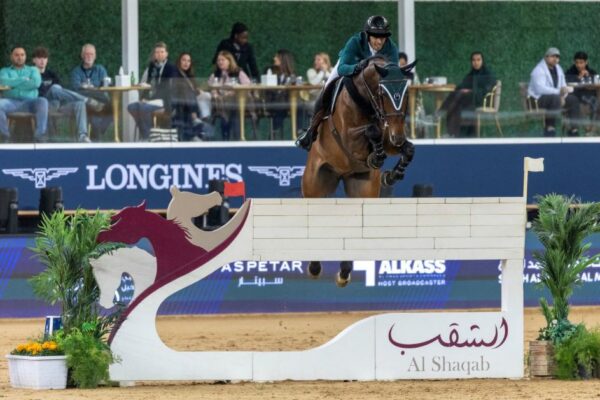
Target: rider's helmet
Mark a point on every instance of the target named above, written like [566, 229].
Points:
[378, 25]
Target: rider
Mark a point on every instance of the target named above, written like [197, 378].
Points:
[374, 40]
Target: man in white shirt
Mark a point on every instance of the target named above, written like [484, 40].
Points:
[549, 88]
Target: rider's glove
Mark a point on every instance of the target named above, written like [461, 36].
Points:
[360, 66]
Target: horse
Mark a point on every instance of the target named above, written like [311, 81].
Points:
[109, 268]
[175, 253]
[366, 123]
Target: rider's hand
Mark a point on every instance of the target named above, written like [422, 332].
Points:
[360, 66]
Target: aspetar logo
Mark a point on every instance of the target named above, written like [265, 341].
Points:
[283, 174]
[375, 270]
[159, 176]
[40, 176]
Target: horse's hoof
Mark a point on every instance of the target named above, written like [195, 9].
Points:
[341, 282]
[314, 269]
[375, 162]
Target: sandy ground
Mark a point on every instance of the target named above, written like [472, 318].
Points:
[287, 332]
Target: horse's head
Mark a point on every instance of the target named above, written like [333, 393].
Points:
[386, 86]
[126, 225]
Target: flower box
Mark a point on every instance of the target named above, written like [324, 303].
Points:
[37, 372]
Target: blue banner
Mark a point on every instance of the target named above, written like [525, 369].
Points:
[112, 177]
[284, 286]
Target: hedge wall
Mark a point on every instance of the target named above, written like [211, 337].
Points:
[512, 35]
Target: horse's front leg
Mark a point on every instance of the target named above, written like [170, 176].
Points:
[407, 152]
[377, 157]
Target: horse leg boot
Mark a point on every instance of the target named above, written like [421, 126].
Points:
[306, 138]
[407, 152]
[377, 157]
[314, 269]
[343, 277]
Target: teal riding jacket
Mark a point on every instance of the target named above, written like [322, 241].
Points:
[357, 49]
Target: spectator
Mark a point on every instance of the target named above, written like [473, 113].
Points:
[468, 95]
[580, 72]
[320, 70]
[278, 100]
[158, 75]
[24, 82]
[185, 102]
[227, 72]
[237, 44]
[548, 86]
[67, 100]
[402, 62]
[90, 75]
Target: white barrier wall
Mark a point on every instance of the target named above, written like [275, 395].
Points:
[388, 346]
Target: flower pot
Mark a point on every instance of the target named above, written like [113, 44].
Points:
[541, 358]
[45, 372]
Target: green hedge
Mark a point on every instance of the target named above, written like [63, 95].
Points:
[512, 35]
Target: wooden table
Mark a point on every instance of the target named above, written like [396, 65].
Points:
[241, 93]
[586, 86]
[439, 90]
[116, 99]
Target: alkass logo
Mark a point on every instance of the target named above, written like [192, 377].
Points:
[284, 174]
[40, 175]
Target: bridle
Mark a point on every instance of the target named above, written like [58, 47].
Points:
[376, 102]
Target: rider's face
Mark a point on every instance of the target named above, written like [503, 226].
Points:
[377, 42]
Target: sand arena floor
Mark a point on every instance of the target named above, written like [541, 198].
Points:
[292, 332]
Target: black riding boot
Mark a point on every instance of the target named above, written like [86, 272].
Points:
[307, 137]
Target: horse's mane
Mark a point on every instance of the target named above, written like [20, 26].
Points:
[152, 221]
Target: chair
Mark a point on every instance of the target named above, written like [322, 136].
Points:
[491, 106]
[530, 105]
[22, 126]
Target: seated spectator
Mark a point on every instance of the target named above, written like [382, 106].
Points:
[158, 75]
[185, 102]
[91, 75]
[467, 96]
[580, 72]
[242, 51]
[548, 86]
[278, 101]
[24, 82]
[320, 70]
[62, 98]
[227, 72]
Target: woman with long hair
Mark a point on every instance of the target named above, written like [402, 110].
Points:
[278, 101]
[227, 72]
[186, 117]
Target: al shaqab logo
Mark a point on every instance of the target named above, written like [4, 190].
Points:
[40, 175]
[284, 174]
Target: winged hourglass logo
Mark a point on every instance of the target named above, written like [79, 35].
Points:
[40, 175]
[284, 174]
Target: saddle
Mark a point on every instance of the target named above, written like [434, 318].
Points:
[346, 81]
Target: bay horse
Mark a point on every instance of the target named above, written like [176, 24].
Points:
[365, 125]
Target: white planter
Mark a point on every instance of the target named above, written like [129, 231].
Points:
[45, 372]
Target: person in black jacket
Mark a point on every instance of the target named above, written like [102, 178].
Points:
[581, 73]
[237, 44]
[158, 75]
[468, 95]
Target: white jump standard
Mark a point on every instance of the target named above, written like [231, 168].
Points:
[388, 346]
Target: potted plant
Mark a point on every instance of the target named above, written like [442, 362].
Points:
[562, 225]
[579, 355]
[38, 364]
[65, 244]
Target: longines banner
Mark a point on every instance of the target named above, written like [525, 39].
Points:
[112, 177]
[283, 286]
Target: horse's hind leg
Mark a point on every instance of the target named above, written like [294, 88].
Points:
[365, 184]
[343, 277]
[314, 269]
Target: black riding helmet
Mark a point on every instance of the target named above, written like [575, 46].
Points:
[377, 25]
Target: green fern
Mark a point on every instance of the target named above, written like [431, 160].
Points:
[562, 225]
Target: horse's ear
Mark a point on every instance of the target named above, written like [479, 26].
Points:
[408, 67]
[381, 71]
[174, 191]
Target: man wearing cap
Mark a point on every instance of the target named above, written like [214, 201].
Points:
[373, 40]
[549, 88]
